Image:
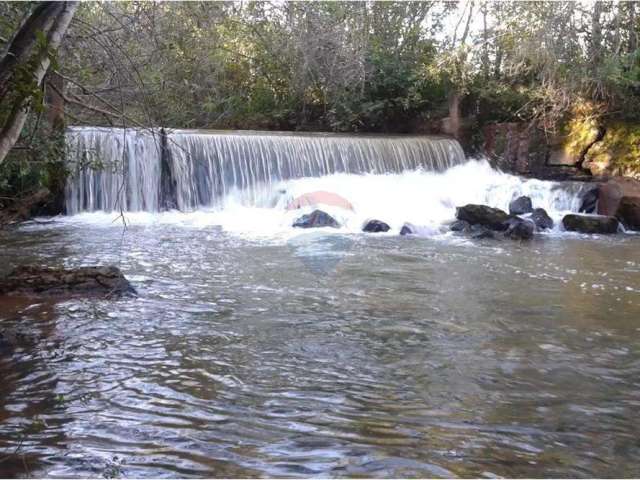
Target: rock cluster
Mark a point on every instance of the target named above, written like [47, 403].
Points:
[482, 221]
[617, 203]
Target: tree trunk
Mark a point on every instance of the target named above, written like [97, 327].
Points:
[55, 101]
[596, 36]
[23, 42]
[15, 121]
[633, 28]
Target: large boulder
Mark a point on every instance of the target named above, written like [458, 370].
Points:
[316, 219]
[610, 194]
[520, 206]
[628, 212]
[492, 218]
[375, 226]
[590, 224]
[541, 218]
[319, 197]
[84, 281]
[519, 229]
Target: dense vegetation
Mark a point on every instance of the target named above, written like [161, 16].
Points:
[335, 66]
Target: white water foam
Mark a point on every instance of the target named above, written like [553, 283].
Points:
[426, 199]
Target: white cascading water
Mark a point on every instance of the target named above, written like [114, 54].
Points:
[112, 169]
[206, 166]
[243, 181]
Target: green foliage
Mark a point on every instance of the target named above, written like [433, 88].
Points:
[38, 164]
[619, 150]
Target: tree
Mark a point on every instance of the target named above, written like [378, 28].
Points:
[25, 63]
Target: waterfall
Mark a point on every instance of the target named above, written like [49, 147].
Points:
[114, 168]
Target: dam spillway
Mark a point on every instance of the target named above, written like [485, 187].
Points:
[151, 170]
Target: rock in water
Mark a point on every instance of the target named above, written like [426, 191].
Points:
[589, 201]
[407, 229]
[316, 219]
[542, 219]
[85, 281]
[590, 224]
[520, 206]
[493, 218]
[460, 226]
[375, 226]
[479, 232]
[520, 229]
[629, 212]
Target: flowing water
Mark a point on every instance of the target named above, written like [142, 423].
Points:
[254, 349]
[125, 166]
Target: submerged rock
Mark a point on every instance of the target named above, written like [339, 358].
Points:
[316, 219]
[589, 201]
[629, 212]
[541, 218]
[460, 226]
[85, 281]
[590, 224]
[493, 218]
[375, 226]
[520, 206]
[519, 229]
[479, 232]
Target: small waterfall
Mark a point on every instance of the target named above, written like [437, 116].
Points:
[112, 169]
[116, 168]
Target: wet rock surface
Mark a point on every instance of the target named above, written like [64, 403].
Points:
[375, 226]
[541, 219]
[408, 229]
[480, 232]
[601, 224]
[84, 281]
[460, 226]
[489, 217]
[520, 229]
[520, 206]
[589, 201]
[316, 219]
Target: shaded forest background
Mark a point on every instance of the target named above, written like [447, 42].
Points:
[560, 74]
